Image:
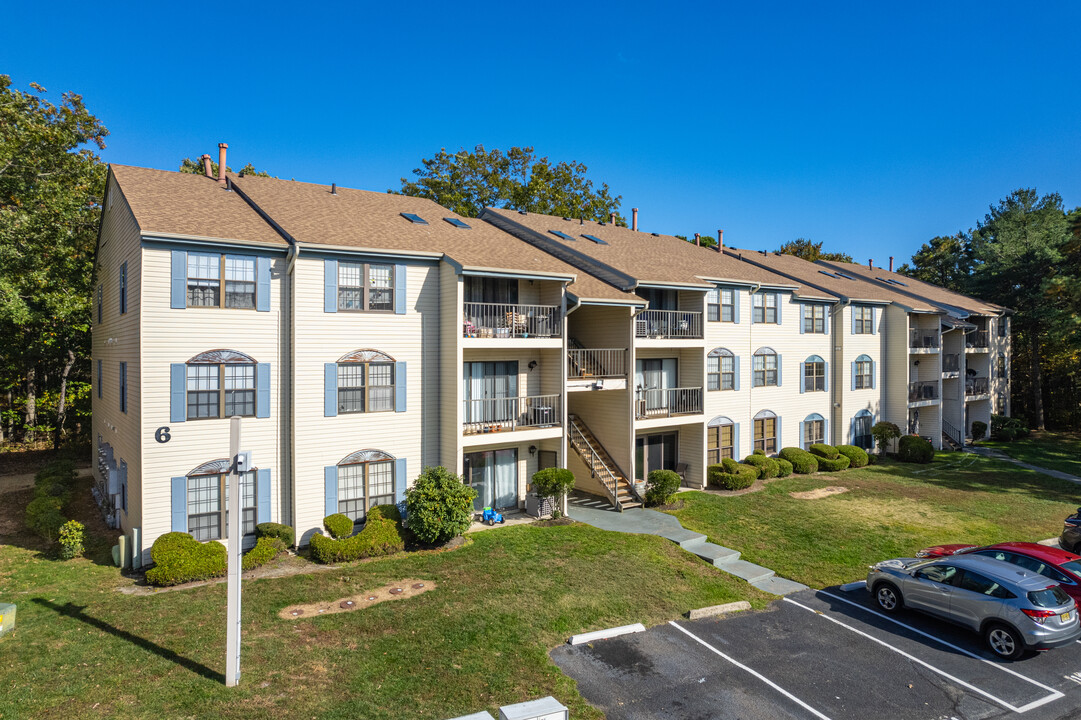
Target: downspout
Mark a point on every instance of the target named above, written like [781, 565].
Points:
[837, 409]
[294, 252]
[750, 357]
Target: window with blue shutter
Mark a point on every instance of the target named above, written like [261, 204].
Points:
[330, 389]
[400, 295]
[178, 283]
[178, 402]
[735, 364]
[401, 479]
[179, 503]
[330, 489]
[262, 390]
[262, 284]
[400, 377]
[262, 492]
[330, 286]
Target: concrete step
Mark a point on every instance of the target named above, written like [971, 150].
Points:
[719, 555]
[778, 585]
[685, 538]
[747, 571]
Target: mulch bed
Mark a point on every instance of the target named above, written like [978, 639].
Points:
[400, 590]
[553, 522]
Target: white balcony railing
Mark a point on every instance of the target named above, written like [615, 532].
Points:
[668, 324]
[490, 415]
[668, 402]
[597, 363]
[519, 321]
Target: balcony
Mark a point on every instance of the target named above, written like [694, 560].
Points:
[977, 340]
[493, 415]
[669, 402]
[675, 324]
[596, 363]
[500, 320]
[977, 386]
[923, 339]
[922, 391]
[951, 363]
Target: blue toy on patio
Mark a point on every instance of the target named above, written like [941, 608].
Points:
[491, 516]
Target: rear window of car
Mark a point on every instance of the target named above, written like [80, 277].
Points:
[1053, 596]
[1073, 566]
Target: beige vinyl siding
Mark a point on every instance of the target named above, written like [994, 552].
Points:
[116, 339]
[323, 337]
[888, 349]
[175, 336]
[451, 293]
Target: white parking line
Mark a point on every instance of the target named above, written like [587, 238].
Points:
[758, 675]
[1054, 694]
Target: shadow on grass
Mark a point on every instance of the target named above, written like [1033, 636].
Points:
[954, 471]
[76, 611]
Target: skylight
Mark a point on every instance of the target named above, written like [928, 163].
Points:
[897, 282]
[846, 277]
[595, 239]
[414, 218]
[565, 236]
[457, 223]
[825, 272]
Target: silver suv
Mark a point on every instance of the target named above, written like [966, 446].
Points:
[1014, 609]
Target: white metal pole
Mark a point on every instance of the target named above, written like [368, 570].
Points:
[236, 512]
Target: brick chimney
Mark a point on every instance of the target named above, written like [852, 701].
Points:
[634, 218]
[612, 218]
[891, 263]
[207, 170]
[720, 240]
[222, 147]
[698, 239]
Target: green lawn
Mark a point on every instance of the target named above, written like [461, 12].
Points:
[480, 639]
[890, 510]
[1055, 451]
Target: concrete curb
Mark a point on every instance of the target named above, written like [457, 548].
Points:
[1050, 542]
[605, 634]
[858, 585]
[718, 609]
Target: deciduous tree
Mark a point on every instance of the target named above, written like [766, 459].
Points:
[811, 251]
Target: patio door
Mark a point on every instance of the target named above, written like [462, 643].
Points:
[654, 452]
[654, 374]
[490, 390]
[494, 475]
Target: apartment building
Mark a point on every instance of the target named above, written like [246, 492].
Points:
[363, 336]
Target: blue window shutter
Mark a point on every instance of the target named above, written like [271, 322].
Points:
[400, 479]
[852, 432]
[802, 436]
[262, 493]
[826, 319]
[178, 396]
[178, 289]
[735, 441]
[735, 306]
[780, 437]
[180, 504]
[330, 389]
[778, 370]
[400, 377]
[802, 376]
[873, 363]
[262, 390]
[330, 286]
[399, 289]
[262, 284]
[853, 374]
[779, 306]
[852, 312]
[802, 317]
[330, 475]
[826, 431]
[735, 372]
[874, 317]
[826, 376]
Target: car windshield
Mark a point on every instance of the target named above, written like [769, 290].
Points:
[1073, 566]
[1048, 597]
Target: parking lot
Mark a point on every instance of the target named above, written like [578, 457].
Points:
[824, 654]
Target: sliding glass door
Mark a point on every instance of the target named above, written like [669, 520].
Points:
[490, 390]
[654, 452]
[494, 475]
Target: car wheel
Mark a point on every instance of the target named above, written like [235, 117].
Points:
[1004, 641]
[888, 597]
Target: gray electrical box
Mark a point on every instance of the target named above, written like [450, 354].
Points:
[547, 708]
[482, 715]
[7, 618]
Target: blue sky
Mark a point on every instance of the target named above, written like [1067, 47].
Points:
[869, 127]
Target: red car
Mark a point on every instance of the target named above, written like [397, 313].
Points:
[1051, 562]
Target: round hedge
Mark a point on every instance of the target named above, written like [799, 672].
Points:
[277, 530]
[742, 476]
[914, 449]
[180, 558]
[784, 466]
[828, 465]
[340, 526]
[661, 486]
[802, 461]
[825, 451]
[767, 467]
[857, 456]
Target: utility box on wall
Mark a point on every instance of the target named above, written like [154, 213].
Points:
[7, 618]
[547, 708]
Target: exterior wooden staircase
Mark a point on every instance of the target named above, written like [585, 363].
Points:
[621, 492]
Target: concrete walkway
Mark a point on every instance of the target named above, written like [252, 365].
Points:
[999, 455]
[600, 514]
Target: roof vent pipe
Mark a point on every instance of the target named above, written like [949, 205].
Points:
[634, 218]
[871, 263]
[612, 218]
[720, 240]
[207, 170]
[334, 188]
[891, 263]
[222, 147]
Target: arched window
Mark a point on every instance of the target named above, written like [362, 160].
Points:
[207, 507]
[813, 375]
[767, 431]
[365, 382]
[767, 367]
[720, 370]
[861, 430]
[863, 373]
[813, 430]
[221, 383]
[722, 439]
[365, 479]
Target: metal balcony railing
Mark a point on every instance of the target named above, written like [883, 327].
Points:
[519, 321]
[668, 402]
[977, 339]
[951, 363]
[923, 338]
[597, 363]
[668, 324]
[508, 414]
[922, 390]
[977, 386]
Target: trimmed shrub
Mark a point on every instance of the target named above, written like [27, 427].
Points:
[784, 467]
[57, 471]
[43, 516]
[857, 456]
[833, 464]
[824, 451]
[180, 558]
[767, 467]
[979, 430]
[553, 483]
[740, 477]
[883, 432]
[661, 485]
[758, 451]
[277, 530]
[1006, 434]
[379, 536]
[385, 512]
[339, 526]
[72, 536]
[265, 550]
[914, 449]
[802, 461]
[439, 505]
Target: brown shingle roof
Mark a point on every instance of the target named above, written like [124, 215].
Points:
[176, 203]
[644, 257]
[918, 288]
